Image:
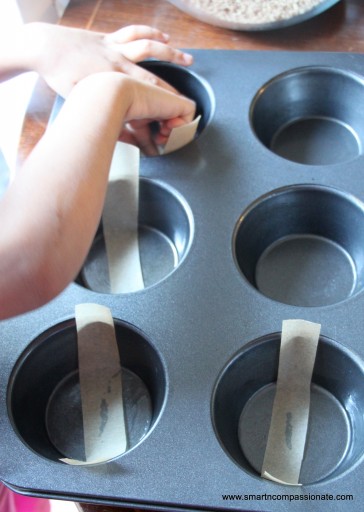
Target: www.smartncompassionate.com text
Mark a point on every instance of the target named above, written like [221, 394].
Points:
[287, 497]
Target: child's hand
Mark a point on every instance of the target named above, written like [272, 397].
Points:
[63, 56]
[148, 139]
[135, 105]
[165, 109]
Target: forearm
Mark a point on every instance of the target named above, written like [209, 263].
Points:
[52, 209]
[63, 56]
[19, 50]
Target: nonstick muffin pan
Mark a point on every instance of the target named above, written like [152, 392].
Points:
[259, 219]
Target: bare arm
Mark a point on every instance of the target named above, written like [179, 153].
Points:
[50, 213]
[63, 56]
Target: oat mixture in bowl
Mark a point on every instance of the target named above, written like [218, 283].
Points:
[253, 14]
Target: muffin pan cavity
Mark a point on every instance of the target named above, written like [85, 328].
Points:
[311, 115]
[303, 245]
[190, 85]
[243, 400]
[165, 235]
[44, 392]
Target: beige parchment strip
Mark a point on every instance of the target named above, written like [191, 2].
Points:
[288, 429]
[100, 384]
[181, 136]
[121, 210]
[120, 221]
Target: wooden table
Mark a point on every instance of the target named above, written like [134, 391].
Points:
[340, 28]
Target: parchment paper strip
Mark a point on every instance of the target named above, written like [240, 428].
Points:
[181, 136]
[121, 210]
[288, 429]
[100, 384]
[120, 221]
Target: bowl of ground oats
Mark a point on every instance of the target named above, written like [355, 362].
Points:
[253, 14]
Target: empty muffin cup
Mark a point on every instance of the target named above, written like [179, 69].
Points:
[165, 234]
[44, 392]
[242, 406]
[302, 245]
[189, 84]
[311, 115]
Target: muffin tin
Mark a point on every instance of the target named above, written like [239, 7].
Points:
[259, 219]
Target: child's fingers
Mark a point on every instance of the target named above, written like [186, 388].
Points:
[136, 51]
[127, 67]
[140, 136]
[165, 129]
[167, 126]
[135, 32]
